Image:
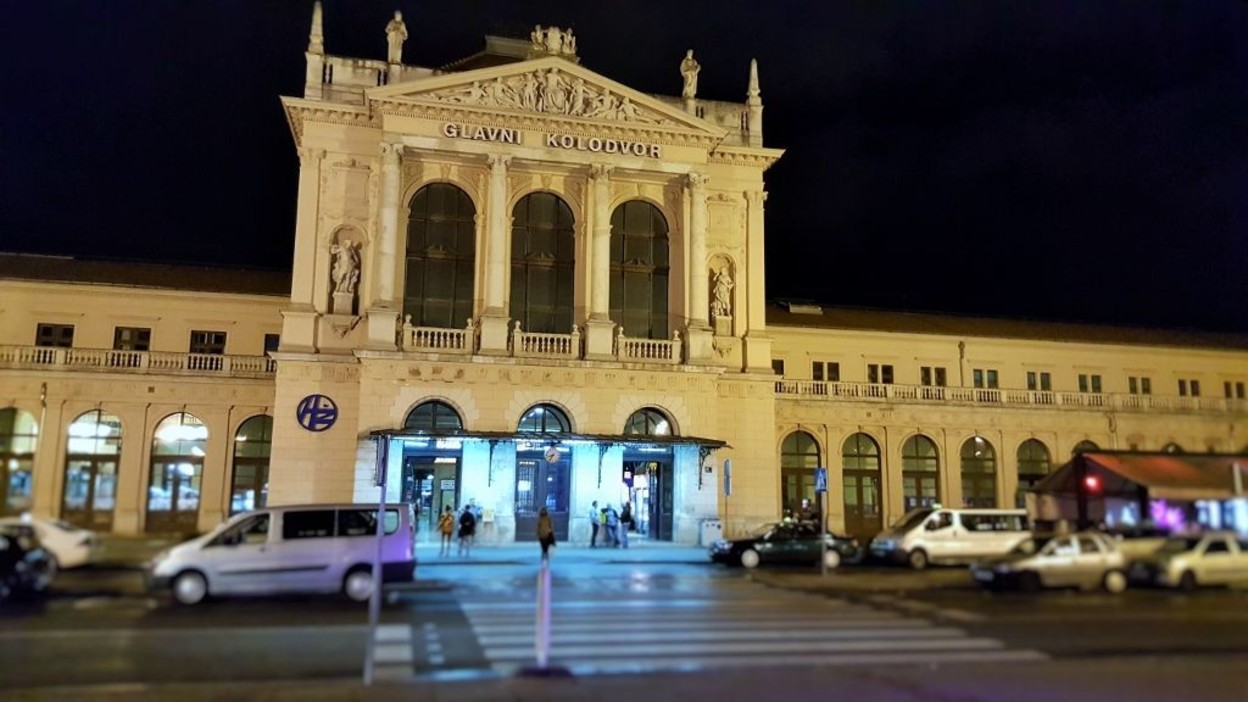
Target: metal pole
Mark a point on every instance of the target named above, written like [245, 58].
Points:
[542, 640]
[823, 538]
[374, 600]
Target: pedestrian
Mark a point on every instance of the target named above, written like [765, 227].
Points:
[594, 517]
[626, 523]
[545, 532]
[467, 528]
[446, 525]
[613, 526]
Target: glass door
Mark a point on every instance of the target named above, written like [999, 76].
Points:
[90, 492]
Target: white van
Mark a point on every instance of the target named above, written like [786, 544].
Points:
[941, 535]
[301, 548]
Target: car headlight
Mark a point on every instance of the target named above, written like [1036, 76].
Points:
[158, 558]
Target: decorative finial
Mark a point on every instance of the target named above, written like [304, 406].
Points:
[753, 108]
[396, 34]
[316, 39]
[752, 92]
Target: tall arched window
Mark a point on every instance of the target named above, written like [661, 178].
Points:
[543, 264]
[799, 457]
[979, 473]
[441, 252]
[1083, 447]
[544, 419]
[434, 416]
[18, 437]
[920, 472]
[860, 474]
[178, 450]
[252, 446]
[648, 422]
[639, 270]
[1033, 465]
[91, 455]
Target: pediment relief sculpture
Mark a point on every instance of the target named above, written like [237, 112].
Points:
[550, 91]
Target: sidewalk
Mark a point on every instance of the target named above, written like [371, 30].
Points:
[529, 553]
[1215, 679]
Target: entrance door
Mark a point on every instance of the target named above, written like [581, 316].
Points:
[862, 504]
[430, 483]
[90, 482]
[173, 495]
[660, 508]
[542, 484]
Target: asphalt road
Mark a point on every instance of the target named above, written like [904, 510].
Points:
[465, 620]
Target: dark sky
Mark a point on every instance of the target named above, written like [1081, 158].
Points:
[1076, 160]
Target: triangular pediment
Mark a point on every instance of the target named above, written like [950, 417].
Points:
[548, 87]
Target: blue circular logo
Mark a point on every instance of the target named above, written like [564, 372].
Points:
[316, 412]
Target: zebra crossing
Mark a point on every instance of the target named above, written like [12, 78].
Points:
[731, 624]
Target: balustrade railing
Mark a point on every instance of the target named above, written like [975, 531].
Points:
[879, 392]
[647, 350]
[437, 340]
[156, 362]
[544, 344]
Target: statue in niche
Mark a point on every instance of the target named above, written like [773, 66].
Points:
[721, 303]
[689, 70]
[346, 270]
[396, 34]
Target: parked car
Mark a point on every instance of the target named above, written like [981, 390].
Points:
[1084, 560]
[71, 546]
[1187, 562]
[25, 566]
[943, 535]
[304, 548]
[786, 542]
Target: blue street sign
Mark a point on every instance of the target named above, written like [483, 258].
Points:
[821, 480]
[727, 477]
[316, 412]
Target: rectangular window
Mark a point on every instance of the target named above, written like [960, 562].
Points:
[1146, 386]
[940, 377]
[829, 371]
[984, 378]
[873, 373]
[1226, 388]
[816, 370]
[208, 342]
[1083, 382]
[1195, 385]
[834, 372]
[272, 342]
[1239, 391]
[886, 374]
[1032, 381]
[1046, 382]
[925, 375]
[1089, 383]
[1133, 385]
[1182, 388]
[977, 377]
[1096, 384]
[132, 339]
[777, 366]
[58, 335]
[308, 524]
[992, 379]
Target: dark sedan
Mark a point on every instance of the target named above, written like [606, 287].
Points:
[25, 566]
[786, 542]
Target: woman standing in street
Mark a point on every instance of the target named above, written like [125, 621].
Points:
[446, 526]
[545, 532]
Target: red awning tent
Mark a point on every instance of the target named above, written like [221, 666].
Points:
[1165, 476]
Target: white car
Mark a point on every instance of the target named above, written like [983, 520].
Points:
[1186, 562]
[69, 545]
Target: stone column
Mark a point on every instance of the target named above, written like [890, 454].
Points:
[599, 329]
[699, 332]
[757, 344]
[494, 321]
[383, 314]
[299, 322]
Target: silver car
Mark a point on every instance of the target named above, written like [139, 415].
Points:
[304, 548]
[1085, 561]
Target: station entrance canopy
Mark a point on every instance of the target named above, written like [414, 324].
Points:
[1164, 476]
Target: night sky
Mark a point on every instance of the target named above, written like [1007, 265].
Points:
[1077, 160]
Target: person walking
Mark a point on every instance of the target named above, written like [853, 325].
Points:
[626, 523]
[446, 526]
[594, 517]
[467, 528]
[545, 532]
[613, 526]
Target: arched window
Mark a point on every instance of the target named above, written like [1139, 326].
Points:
[860, 474]
[639, 270]
[799, 457]
[1033, 465]
[18, 437]
[91, 455]
[252, 445]
[979, 473]
[441, 253]
[1172, 448]
[544, 419]
[648, 422]
[434, 416]
[1083, 447]
[543, 264]
[178, 450]
[920, 472]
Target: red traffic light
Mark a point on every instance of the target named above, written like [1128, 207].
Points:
[1092, 483]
